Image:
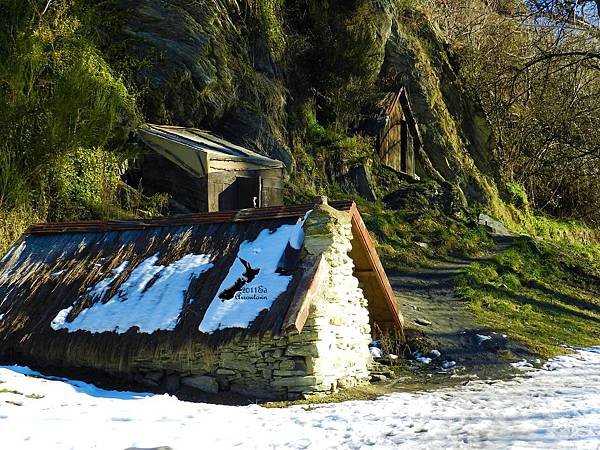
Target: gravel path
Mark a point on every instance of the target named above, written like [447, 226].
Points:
[427, 294]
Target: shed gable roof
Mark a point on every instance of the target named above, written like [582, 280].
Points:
[399, 99]
[192, 149]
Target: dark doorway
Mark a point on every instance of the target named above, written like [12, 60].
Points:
[404, 147]
[244, 192]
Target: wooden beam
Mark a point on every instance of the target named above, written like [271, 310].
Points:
[363, 237]
[316, 273]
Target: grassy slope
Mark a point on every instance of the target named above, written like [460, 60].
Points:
[542, 293]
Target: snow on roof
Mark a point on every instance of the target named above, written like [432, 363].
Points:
[151, 298]
[243, 294]
[133, 281]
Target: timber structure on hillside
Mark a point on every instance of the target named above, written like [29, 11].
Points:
[205, 173]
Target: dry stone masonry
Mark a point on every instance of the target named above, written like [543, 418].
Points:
[330, 352]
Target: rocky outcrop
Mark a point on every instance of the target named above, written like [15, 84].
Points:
[213, 64]
[457, 137]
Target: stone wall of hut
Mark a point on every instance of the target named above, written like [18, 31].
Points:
[330, 353]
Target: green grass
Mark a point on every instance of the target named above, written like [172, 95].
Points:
[10, 391]
[397, 233]
[543, 294]
[519, 218]
[366, 392]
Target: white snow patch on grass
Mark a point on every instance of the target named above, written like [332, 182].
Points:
[421, 358]
[150, 307]
[375, 352]
[448, 364]
[264, 254]
[547, 409]
[523, 365]
[481, 338]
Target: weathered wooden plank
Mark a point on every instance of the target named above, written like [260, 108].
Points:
[316, 270]
[363, 238]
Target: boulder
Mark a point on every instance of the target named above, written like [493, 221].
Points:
[202, 382]
[171, 383]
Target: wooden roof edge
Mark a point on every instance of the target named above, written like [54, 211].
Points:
[315, 269]
[412, 123]
[246, 154]
[241, 215]
[380, 275]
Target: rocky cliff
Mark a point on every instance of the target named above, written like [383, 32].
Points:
[292, 79]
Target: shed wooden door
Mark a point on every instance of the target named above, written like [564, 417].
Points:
[244, 192]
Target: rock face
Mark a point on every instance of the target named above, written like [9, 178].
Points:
[330, 353]
[202, 383]
[200, 64]
[212, 64]
[457, 137]
[183, 52]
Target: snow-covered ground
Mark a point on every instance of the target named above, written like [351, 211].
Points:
[558, 407]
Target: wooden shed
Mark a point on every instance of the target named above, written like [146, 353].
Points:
[205, 173]
[268, 302]
[398, 137]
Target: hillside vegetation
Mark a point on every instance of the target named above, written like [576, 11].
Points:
[506, 94]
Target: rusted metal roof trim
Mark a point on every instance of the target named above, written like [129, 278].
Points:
[241, 215]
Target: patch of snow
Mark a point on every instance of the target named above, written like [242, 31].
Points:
[434, 354]
[57, 273]
[1, 316]
[422, 244]
[448, 364]
[420, 358]
[15, 250]
[376, 352]
[421, 321]
[264, 253]
[375, 343]
[297, 236]
[557, 409]
[150, 307]
[99, 290]
[481, 338]
[61, 318]
[392, 356]
[523, 365]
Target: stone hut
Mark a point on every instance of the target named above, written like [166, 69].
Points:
[204, 173]
[271, 303]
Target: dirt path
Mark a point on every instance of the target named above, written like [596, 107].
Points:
[427, 295]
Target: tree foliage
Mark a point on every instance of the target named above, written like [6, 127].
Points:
[536, 67]
[57, 97]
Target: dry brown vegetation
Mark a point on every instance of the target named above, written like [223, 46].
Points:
[536, 67]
